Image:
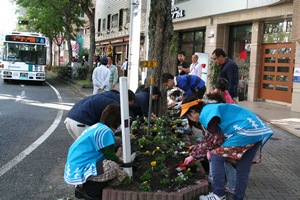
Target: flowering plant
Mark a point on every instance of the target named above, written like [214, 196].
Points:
[159, 156]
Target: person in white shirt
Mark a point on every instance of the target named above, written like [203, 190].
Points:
[101, 77]
[124, 67]
[195, 68]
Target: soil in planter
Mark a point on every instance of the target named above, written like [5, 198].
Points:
[156, 178]
[142, 164]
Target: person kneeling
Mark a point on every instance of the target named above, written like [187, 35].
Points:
[92, 163]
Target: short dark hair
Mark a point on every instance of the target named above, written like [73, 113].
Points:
[181, 52]
[165, 77]
[111, 116]
[131, 95]
[155, 90]
[219, 52]
[222, 84]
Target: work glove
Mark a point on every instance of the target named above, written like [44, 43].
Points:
[189, 160]
[133, 155]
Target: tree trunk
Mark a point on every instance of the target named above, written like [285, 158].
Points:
[50, 52]
[160, 37]
[90, 12]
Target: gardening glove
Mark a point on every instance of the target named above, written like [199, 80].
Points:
[133, 155]
[189, 160]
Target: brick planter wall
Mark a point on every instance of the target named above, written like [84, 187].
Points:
[190, 193]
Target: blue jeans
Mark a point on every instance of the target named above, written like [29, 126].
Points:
[242, 173]
[230, 174]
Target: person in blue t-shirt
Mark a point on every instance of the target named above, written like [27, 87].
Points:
[87, 111]
[232, 133]
[190, 84]
[91, 163]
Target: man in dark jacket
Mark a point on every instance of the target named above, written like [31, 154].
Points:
[229, 70]
[87, 111]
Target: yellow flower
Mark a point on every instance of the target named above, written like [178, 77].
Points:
[157, 148]
[147, 152]
[189, 169]
[153, 163]
[154, 128]
[145, 182]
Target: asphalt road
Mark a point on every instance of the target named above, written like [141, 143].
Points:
[33, 140]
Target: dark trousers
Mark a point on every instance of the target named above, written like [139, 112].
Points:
[199, 92]
[243, 167]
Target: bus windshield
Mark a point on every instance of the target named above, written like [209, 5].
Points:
[28, 53]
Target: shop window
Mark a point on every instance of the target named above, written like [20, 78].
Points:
[268, 86]
[270, 51]
[284, 50]
[114, 21]
[284, 60]
[191, 42]
[282, 88]
[278, 31]
[268, 77]
[269, 68]
[283, 69]
[104, 25]
[282, 78]
[270, 59]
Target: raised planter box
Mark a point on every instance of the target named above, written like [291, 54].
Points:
[191, 193]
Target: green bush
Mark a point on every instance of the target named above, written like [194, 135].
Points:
[81, 72]
[65, 71]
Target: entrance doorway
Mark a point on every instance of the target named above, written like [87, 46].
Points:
[277, 72]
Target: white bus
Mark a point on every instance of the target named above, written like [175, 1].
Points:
[24, 57]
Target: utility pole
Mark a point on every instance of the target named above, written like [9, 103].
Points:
[134, 44]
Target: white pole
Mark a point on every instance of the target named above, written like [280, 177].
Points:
[125, 125]
[144, 73]
[134, 44]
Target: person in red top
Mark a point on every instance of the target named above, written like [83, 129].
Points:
[221, 87]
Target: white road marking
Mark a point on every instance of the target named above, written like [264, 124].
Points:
[5, 168]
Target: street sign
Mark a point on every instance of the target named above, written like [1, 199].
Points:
[148, 64]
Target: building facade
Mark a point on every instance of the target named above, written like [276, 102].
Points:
[257, 34]
[112, 20]
[260, 35]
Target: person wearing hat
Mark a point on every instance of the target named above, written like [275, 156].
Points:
[233, 133]
[190, 84]
[92, 163]
[101, 77]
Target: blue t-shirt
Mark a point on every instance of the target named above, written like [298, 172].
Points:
[85, 152]
[240, 125]
[189, 83]
[88, 110]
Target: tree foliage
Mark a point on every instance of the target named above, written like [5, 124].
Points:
[53, 18]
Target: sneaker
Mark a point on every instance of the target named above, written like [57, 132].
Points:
[229, 189]
[211, 196]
